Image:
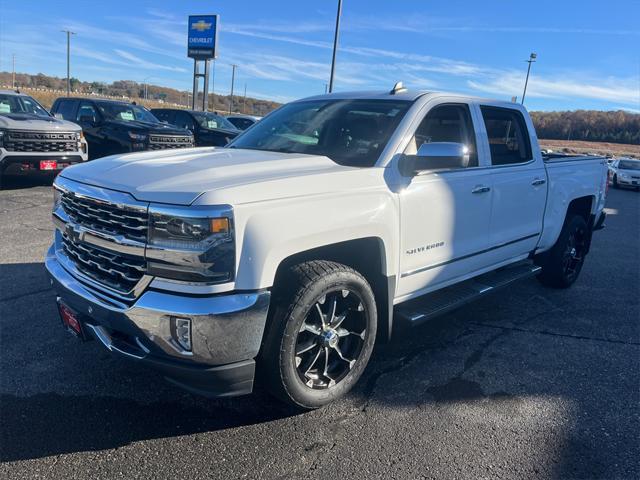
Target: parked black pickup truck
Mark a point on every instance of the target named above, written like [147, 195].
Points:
[112, 127]
[209, 129]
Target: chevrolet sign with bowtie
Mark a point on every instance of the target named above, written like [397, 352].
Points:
[202, 36]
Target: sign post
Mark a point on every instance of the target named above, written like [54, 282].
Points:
[202, 42]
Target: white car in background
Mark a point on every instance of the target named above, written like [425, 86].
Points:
[625, 172]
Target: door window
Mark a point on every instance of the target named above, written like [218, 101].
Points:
[446, 123]
[65, 109]
[184, 120]
[163, 115]
[508, 136]
[87, 110]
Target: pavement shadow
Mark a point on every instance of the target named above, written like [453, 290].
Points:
[51, 424]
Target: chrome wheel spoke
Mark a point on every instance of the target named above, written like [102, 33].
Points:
[323, 317]
[307, 348]
[313, 362]
[305, 327]
[334, 305]
[337, 321]
[326, 368]
[343, 332]
[339, 352]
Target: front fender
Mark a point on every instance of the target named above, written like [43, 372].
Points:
[268, 233]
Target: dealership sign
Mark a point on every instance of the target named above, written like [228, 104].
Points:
[202, 36]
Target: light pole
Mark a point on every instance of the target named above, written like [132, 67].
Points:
[335, 46]
[69, 33]
[233, 80]
[13, 71]
[532, 59]
[146, 87]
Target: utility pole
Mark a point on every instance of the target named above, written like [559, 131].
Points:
[335, 46]
[244, 100]
[233, 79]
[326, 87]
[13, 71]
[532, 59]
[69, 33]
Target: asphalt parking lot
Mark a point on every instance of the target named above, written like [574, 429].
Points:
[527, 383]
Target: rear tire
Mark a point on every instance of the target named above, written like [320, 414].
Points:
[562, 264]
[321, 332]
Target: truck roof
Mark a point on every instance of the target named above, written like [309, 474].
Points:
[13, 92]
[405, 94]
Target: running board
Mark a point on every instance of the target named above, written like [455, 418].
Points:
[426, 307]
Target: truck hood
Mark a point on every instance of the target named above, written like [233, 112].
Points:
[35, 123]
[216, 175]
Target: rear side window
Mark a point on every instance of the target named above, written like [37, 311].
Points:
[65, 109]
[508, 136]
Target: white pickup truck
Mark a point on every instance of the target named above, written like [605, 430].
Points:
[284, 256]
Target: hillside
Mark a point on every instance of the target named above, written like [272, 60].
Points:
[46, 89]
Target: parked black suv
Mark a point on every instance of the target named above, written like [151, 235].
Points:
[209, 129]
[118, 127]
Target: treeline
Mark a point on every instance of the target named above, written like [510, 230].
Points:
[136, 90]
[589, 125]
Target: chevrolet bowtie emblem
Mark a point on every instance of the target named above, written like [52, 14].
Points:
[201, 25]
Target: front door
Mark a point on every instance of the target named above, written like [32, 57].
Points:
[444, 214]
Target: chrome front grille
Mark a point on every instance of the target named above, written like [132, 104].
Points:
[129, 222]
[163, 142]
[49, 142]
[114, 270]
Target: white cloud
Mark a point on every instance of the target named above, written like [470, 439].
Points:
[511, 83]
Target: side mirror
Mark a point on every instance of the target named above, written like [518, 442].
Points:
[88, 120]
[435, 156]
[58, 116]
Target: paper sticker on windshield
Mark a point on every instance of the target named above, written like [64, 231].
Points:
[127, 116]
[5, 108]
[212, 124]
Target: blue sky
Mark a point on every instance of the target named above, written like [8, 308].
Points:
[588, 51]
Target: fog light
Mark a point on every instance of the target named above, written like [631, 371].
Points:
[181, 332]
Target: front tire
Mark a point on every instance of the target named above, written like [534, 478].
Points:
[322, 329]
[615, 182]
[562, 264]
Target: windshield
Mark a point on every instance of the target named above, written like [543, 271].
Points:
[126, 112]
[349, 132]
[21, 104]
[629, 165]
[211, 120]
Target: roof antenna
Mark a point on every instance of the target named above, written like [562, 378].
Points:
[397, 88]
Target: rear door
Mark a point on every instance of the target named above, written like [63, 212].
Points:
[518, 181]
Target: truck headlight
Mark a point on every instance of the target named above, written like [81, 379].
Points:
[137, 137]
[191, 244]
[2, 134]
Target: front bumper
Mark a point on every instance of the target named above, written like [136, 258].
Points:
[21, 164]
[227, 331]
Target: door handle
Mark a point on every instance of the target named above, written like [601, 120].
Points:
[538, 181]
[481, 189]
